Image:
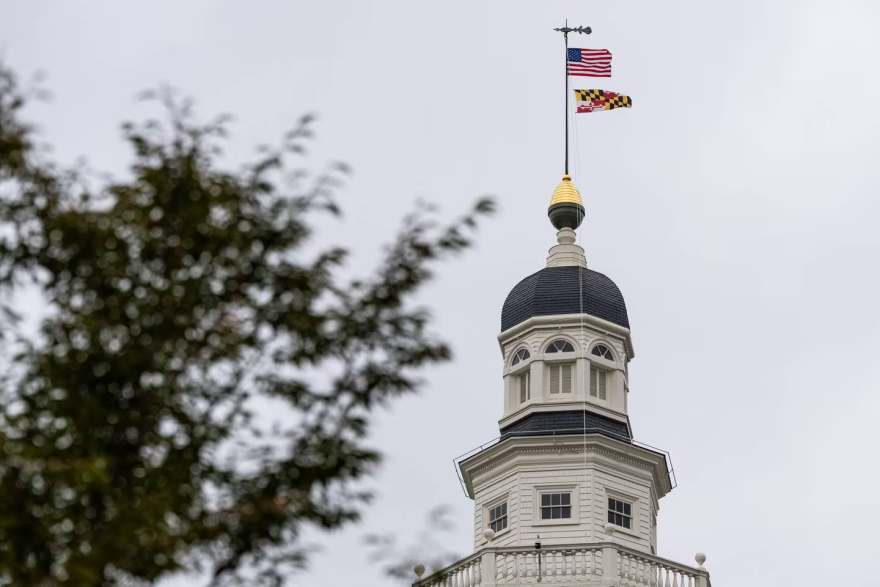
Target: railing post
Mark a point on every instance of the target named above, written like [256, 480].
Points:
[488, 568]
[703, 577]
[610, 576]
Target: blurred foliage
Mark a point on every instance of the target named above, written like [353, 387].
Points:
[426, 549]
[178, 300]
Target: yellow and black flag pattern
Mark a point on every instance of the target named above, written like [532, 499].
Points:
[593, 100]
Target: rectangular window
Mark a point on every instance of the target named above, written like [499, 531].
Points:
[498, 517]
[555, 506]
[598, 383]
[525, 388]
[620, 513]
[560, 378]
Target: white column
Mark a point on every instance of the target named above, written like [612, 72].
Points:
[582, 379]
[488, 568]
[508, 395]
[616, 391]
[609, 566]
[537, 381]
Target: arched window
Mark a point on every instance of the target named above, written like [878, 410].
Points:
[561, 375]
[523, 380]
[600, 350]
[521, 355]
[560, 346]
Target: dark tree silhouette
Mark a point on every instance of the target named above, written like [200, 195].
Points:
[178, 300]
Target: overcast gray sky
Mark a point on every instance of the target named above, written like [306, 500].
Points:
[735, 205]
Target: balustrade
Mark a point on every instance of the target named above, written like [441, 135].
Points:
[636, 570]
[559, 565]
[467, 573]
[587, 565]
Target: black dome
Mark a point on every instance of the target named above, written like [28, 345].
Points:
[554, 290]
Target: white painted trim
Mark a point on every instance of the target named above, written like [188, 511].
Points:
[571, 319]
[615, 364]
[572, 488]
[560, 336]
[494, 502]
[517, 349]
[520, 367]
[636, 511]
[603, 366]
[520, 451]
[549, 397]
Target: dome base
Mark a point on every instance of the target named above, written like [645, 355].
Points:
[566, 215]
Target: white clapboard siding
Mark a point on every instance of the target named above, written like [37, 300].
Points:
[590, 501]
[505, 486]
[623, 487]
[531, 482]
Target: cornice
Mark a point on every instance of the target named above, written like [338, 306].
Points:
[505, 453]
[573, 449]
[558, 319]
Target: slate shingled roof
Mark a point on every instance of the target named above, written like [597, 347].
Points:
[570, 422]
[554, 290]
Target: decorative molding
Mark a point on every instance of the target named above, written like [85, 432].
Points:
[555, 448]
[615, 456]
[575, 320]
[572, 488]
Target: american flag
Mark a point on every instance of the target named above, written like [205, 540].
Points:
[589, 62]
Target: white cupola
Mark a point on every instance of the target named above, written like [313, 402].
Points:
[566, 464]
[565, 494]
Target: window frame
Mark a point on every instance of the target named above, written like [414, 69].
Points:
[524, 364]
[493, 503]
[617, 510]
[498, 516]
[607, 347]
[608, 383]
[553, 360]
[548, 368]
[525, 375]
[514, 363]
[573, 489]
[564, 502]
[553, 340]
[610, 493]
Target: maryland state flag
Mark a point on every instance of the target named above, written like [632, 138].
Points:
[593, 100]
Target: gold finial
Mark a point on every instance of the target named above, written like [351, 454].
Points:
[566, 207]
[565, 192]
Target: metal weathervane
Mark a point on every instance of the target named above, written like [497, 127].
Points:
[584, 30]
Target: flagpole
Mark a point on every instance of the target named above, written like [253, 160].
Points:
[565, 30]
[566, 97]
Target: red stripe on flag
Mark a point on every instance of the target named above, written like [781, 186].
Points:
[592, 63]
